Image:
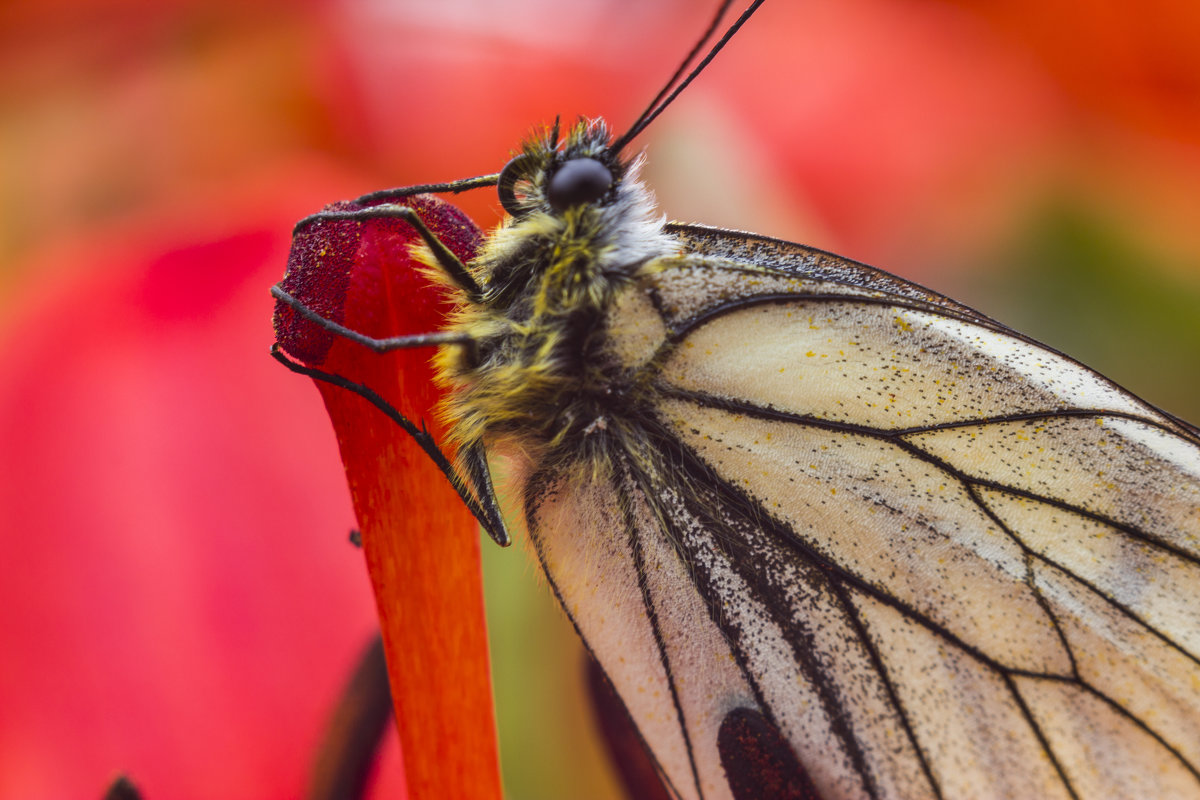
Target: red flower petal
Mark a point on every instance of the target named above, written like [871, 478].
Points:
[422, 545]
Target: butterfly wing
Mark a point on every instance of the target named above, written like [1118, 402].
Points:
[938, 558]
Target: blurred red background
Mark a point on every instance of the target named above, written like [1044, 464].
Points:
[178, 598]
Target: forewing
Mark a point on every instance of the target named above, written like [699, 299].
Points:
[947, 560]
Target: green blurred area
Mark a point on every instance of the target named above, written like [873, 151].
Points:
[1093, 290]
[549, 747]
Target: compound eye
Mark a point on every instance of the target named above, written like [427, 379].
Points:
[577, 182]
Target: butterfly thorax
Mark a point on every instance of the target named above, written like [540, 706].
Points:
[537, 363]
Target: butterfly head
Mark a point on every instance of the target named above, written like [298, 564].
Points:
[561, 178]
[577, 212]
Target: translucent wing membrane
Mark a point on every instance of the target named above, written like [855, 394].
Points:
[943, 560]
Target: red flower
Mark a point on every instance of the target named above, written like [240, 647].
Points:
[422, 545]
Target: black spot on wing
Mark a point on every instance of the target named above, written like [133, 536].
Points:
[758, 761]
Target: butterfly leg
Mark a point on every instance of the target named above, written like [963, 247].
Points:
[480, 476]
[476, 483]
[446, 259]
[379, 345]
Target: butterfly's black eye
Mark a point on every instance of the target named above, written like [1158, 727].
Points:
[579, 181]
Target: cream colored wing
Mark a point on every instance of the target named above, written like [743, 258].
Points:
[938, 558]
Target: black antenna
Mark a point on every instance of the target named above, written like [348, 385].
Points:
[683, 65]
[658, 104]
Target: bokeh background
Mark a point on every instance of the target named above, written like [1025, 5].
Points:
[177, 597]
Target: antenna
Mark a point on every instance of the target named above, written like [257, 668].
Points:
[658, 104]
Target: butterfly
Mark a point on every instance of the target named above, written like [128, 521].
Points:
[828, 533]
